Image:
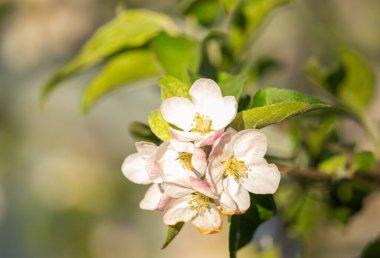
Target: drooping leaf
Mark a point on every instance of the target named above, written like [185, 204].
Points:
[141, 132]
[255, 11]
[172, 87]
[172, 233]
[158, 125]
[273, 106]
[335, 165]
[130, 29]
[177, 55]
[372, 250]
[121, 70]
[351, 79]
[243, 227]
[232, 85]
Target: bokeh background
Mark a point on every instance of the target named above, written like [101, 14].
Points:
[62, 194]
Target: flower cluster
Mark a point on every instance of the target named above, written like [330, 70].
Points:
[203, 171]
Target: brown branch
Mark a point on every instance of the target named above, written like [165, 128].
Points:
[371, 177]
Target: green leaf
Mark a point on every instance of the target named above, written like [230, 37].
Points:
[229, 5]
[316, 137]
[364, 161]
[158, 125]
[232, 85]
[141, 132]
[351, 80]
[130, 29]
[204, 11]
[177, 55]
[269, 96]
[123, 69]
[172, 87]
[243, 227]
[357, 88]
[172, 233]
[273, 106]
[372, 250]
[255, 11]
[335, 165]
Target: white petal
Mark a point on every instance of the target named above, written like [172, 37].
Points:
[208, 223]
[249, 145]
[152, 198]
[185, 136]
[134, 168]
[242, 200]
[230, 185]
[198, 160]
[154, 171]
[223, 112]
[146, 149]
[179, 146]
[205, 93]
[176, 191]
[262, 178]
[178, 210]
[227, 204]
[179, 112]
[203, 187]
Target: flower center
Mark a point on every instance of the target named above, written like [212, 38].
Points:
[185, 160]
[235, 168]
[201, 124]
[200, 203]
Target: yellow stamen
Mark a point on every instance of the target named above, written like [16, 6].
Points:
[200, 203]
[185, 160]
[201, 124]
[235, 167]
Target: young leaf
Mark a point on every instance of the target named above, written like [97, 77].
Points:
[336, 165]
[123, 69]
[158, 125]
[177, 55]
[232, 85]
[172, 87]
[364, 161]
[141, 132]
[130, 29]
[172, 233]
[273, 106]
[243, 227]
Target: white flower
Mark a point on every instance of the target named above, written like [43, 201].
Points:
[141, 168]
[179, 162]
[237, 166]
[197, 206]
[203, 118]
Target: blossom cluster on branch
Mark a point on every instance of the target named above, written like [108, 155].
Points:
[203, 171]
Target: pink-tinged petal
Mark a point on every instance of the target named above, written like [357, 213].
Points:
[242, 200]
[203, 187]
[198, 160]
[164, 202]
[249, 145]
[179, 146]
[227, 205]
[209, 139]
[214, 173]
[146, 149]
[221, 146]
[178, 210]
[184, 136]
[209, 222]
[176, 191]
[154, 171]
[179, 112]
[134, 169]
[152, 198]
[205, 93]
[262, 178]
[223, 113]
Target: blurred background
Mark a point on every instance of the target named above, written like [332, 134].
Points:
[62, 194]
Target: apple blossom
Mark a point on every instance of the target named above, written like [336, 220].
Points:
[141, 168]
[204, 117]
[237, 166]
